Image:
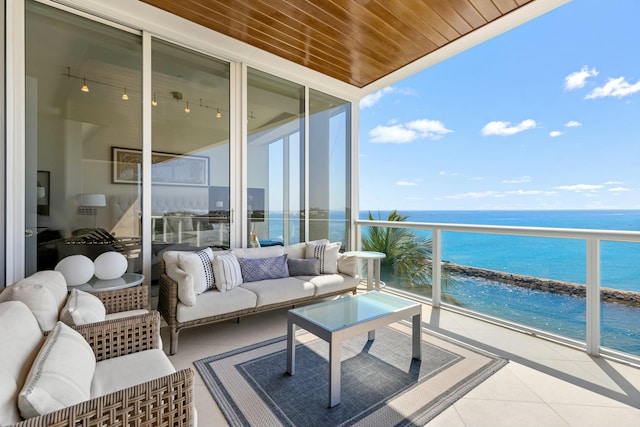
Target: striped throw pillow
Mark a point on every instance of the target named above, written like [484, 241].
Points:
[198, 265]
[327, 253]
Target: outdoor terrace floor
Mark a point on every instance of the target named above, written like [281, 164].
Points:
[545, 384]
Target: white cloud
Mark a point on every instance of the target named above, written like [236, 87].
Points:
[505, 128]
[619, 189]
[613, 183]
[372, 99]
[555, 133]
[404, 183]
[578, 79]
[472, 195]
[573, 124]
[407, 132]
[579, 187]
[530, 192]
[519, 180]
[619, 87]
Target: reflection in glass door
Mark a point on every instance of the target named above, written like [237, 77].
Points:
[190, 169]
[83, 86]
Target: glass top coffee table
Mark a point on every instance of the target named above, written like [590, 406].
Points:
[336, 320]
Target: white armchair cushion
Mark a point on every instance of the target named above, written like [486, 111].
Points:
[21, 337]
[226, 270]
[52, 280]
[38, 298]
[82, 308]
[186, 289]
[198, 265]
[132, 369]
[60, 376]
[327, 253]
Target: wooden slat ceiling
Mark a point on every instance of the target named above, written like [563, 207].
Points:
[354, 41]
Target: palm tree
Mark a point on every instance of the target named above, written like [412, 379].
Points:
[408, 261]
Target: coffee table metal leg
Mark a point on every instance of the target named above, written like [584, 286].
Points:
[291, 347]
[417, 336]
[334, 373]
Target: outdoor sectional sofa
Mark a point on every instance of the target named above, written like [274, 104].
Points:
[203, 287]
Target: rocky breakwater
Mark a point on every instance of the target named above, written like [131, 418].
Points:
[616, 296]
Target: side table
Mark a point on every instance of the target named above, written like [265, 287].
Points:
[128, 280]
[373, 266]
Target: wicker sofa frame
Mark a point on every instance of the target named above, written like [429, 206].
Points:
[168, 307]
[166, 401]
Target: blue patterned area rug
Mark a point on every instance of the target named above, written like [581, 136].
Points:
[381, 384]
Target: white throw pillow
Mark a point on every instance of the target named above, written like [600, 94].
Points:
[110, 265]
[38, 298]
[327, 253]
[82, 308]
[198, 265]
[60, 376]
[226, 269]
[186, 290]
[76, 269]
[298, 250]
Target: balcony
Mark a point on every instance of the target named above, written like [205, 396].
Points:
[545, 383]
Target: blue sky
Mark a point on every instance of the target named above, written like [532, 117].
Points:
[545, 116]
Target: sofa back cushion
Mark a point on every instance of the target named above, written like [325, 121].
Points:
[299, 250]
[21, 338]
[38, 298]
[256, 269]
[52, 280]
[266, 252]
[186, 287]
[61, 374]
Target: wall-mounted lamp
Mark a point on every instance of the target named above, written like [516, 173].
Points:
[125, 97]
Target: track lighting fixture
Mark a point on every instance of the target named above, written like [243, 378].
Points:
[125, 97]
[84, 87]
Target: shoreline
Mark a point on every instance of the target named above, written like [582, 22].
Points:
[615, 296]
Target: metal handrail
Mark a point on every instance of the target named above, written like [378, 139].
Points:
[591, 237]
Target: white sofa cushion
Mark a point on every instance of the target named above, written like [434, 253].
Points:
[60, 376]
[214, 303]
[38, 298]
[348, 264]
[82, 308]
[132, 369]
[327, 253]
[329, 283]
[21, 337]
[279, 290]
[186, 287]
[198, 265]
[52, 280]
[226, 271]
[171, 257]
[298, 250]
[265, 252]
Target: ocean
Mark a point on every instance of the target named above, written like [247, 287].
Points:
[557, 259]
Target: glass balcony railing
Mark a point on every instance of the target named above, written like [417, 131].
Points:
[575, 286]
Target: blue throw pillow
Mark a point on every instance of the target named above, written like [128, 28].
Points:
[254, 269]
[303, 267]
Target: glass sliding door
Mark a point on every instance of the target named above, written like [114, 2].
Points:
[83, 100]
[275, 160]
[190, 159]
[329, 168]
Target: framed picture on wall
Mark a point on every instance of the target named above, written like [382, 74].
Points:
[43, 193]
[166, 168]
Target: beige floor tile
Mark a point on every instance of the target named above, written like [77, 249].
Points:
[504, 385]
[494, 413]
[593, 416]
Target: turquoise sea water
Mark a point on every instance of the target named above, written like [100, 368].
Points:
[558, 259]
